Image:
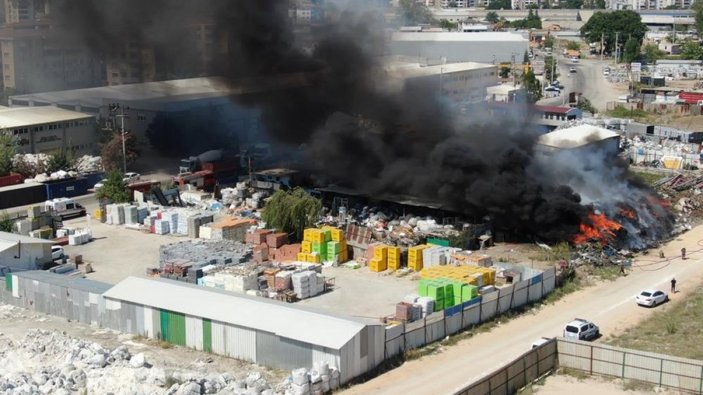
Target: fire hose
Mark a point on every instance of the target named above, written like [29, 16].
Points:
[667, 261]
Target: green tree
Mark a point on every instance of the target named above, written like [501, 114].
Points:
[7, 152]
[492, 17]
[585, 105]
[612, 25]
[632, 50]
[504, 72]
[292, 211]
[572, 4]
[445, 24]
[6, 224]
[499, 5]
[111, 152]
[415, 13]
[61, 160]
[532, 86]
[549, 65]
[548, 42]
[573, 46]
[691, 50]
[652, 53]
[599, 4]
[114, 188]
[697, 9]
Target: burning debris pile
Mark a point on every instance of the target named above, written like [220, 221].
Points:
[597, 254]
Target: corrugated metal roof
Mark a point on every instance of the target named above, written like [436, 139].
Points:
[283, 319]
[576, 136]
[77, 283]
[26, 116]
[416, 70]
[14, 238]
[458, 36]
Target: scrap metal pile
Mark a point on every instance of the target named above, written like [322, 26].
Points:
[597, 254]
[683, 191]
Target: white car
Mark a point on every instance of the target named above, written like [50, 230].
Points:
[580, 329]
[651, 297]
[572, 69]
[131, 177]
[100, 184]
[56, 253]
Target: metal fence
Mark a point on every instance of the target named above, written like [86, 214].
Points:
[517, 374]
[406, 336]
[662, 370]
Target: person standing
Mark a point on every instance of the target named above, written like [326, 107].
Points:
[683, 253]
[673, 285]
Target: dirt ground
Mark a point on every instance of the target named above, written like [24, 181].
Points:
[117, 252]
[560, 384]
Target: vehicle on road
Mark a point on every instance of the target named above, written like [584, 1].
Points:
[580, 329]
[557, 84]
[131, 177]
[56, 253]
[65, 208]
[606, 71]
[100, 184]
[572, 69]
[575, 60]
[651, 297]
[552, 88]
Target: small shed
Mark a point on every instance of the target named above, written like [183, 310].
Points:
[19, 252]
[263, 331]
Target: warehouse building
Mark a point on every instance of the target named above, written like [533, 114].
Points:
[23, 253]
[458, 82]
[452, 47]
[50, 129]
[581, 137]
[258, 330]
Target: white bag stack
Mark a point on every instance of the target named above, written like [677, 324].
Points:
[301, 284]
[300, 382]
[427, 305]
[131, 216]
[161, 226]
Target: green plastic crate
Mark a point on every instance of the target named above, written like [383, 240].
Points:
[469, 292]
[328, 234]
[333, 247]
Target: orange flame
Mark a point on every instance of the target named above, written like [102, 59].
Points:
[601, 228]
[627, 213]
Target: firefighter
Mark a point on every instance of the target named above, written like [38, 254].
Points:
[683, 253]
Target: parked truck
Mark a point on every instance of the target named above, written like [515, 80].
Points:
[213, 160]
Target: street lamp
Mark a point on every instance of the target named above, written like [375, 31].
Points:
[114, 108]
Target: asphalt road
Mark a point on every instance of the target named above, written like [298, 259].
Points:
[588, 80]
[610, 305]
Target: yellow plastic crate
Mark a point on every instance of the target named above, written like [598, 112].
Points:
[380, 252]
[313, 258]
[302, 257]
[415, 266]
[377, 265]
[306, 246]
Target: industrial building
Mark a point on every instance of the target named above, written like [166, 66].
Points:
[459, 82]
[50, 129]
[19, 252]
[141, 103]
[451, 47]
[580, 137]
[258, 330]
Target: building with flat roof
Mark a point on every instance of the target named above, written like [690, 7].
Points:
[50, 129]
[464, 82]
[580, 137]
[19, 252]
[451, 47]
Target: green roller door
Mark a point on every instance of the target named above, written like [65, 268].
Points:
[207, 335]
[173, 327]
[8, 282]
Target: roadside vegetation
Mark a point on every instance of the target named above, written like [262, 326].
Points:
[114, 189]
[646, 177]
[673, 330]
[622, 112]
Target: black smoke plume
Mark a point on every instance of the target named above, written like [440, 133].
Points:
[360, 129]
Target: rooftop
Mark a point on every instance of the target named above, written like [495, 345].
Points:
[164, 91]
[8, 240]
[258, 313]
[410, 70]
[78, 283]
[576, 136]
[459, 36]
[26, 116]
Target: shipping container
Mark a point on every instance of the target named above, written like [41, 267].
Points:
[11, 179]
[22, 194]
[67, 188]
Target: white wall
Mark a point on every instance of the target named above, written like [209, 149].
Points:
[31, 256]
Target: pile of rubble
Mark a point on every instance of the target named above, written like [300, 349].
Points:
[684, 194]
[666, 153]
[596, 254]
[87, 164]
[30, 164]
[206, 252]
[49, 362]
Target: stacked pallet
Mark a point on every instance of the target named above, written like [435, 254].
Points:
[326, 245]
[379, 261]
[115, 214]
[283, 280]
[227, 229]
[447, 293]
[79, 237]
[162, 226]
[393, 258]
[415, 261]
[307, 284]
[131, 216]
[473, 275]
[258, 236]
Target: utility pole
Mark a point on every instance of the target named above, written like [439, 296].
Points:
[114, 108]
[616, 47]
[602, 43]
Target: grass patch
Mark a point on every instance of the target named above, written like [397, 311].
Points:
[164, 344]
[647, 177]
[579, 375]
[607, 273]
[673, 330]
[570, 286]
[636, 385]
[622, 112]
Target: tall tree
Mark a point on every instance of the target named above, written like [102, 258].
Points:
[697, 8]
[61, 160]
[691, 50]
[492, 17]
[652, 53]
[499, 5]
[114, 188]
[112, 156]
[612, 25]
[292, 211]
[7, 152]
[632, 50]
[532, 86]
[551, 72]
